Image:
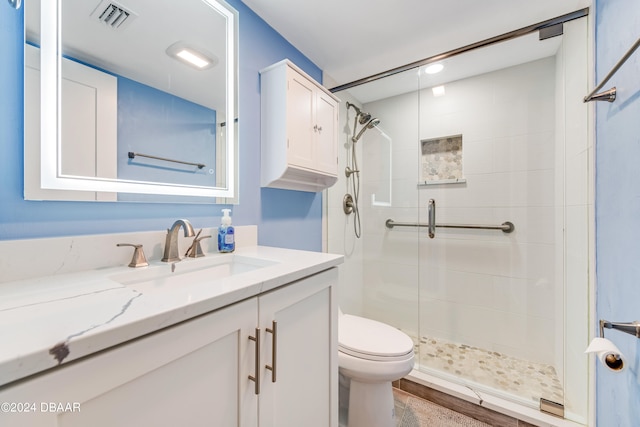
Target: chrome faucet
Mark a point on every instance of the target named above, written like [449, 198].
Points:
[171, 253]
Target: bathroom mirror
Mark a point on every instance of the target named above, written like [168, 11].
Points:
[130, 99]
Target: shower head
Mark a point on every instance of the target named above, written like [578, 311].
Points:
[361, 117]
[373, 123]
[369, 125]
[364, 119]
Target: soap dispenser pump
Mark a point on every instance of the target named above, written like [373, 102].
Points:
[226, 233]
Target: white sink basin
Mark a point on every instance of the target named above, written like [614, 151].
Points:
[161, 276]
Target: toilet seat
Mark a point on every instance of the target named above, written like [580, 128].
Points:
[371, 340]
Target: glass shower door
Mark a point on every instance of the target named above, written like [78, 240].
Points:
[498, 162]
[489, 300]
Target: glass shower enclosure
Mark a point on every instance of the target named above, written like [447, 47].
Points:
[475, 209]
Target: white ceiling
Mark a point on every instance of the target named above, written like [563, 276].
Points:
[353, 39]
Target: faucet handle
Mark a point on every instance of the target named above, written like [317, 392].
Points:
[138, 259]
[195, 250]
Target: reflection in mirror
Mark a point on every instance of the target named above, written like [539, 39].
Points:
[137, 103]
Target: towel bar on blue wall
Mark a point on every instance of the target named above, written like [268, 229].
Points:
[610, 95]
[133, 155]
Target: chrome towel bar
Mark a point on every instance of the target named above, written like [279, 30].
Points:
[133, 155]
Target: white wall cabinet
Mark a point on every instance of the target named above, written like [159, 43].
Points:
[197, 373]
[299, 130]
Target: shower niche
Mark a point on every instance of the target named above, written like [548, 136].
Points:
[441, 160]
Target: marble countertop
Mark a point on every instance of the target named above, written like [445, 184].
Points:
[51, 320]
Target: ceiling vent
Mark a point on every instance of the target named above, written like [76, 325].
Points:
[113, 14]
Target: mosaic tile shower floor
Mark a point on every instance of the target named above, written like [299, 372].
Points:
[519, 377]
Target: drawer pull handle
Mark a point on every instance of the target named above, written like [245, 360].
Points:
[256, 378]
[274, 349]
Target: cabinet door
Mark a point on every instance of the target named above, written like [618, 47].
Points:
[300, 120]
[305, 389]
[191, 374]
[326, 134]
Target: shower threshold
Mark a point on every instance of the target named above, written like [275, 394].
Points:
[485, 399]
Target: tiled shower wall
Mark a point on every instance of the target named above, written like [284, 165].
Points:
[341, 238]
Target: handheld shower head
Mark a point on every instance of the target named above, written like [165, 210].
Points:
[373, 123]
[369, 125]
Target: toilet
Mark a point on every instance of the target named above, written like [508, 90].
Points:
[371, 355]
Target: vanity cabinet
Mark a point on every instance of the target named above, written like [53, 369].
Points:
[305, 390]
[197, 373]
[299, 130]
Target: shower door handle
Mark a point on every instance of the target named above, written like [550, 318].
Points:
[432, 218]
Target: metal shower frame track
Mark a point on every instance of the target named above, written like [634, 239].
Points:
[581, 13]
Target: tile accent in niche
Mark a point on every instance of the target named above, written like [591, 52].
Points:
[441, 161]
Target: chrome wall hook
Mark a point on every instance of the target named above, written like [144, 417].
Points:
[16, 4]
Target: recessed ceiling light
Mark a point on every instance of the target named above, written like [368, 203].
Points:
[434, 68]
[189, 55]
[438, 90]
[192, 58]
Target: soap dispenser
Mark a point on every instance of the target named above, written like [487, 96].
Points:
[226, 233]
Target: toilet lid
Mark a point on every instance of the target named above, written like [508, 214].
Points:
[369, 339]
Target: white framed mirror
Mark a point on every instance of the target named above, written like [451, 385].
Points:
[119, 109]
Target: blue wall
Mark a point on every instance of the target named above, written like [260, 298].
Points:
[618, 207]
[154, 122]
[284, 218]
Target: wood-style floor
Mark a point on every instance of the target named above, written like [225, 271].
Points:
[412, 411]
